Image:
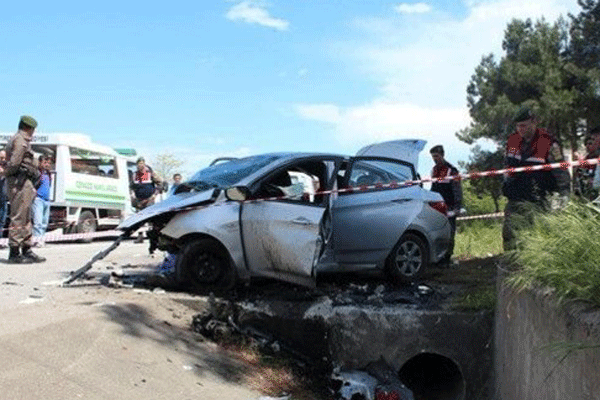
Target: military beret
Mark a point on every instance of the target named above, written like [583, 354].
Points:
[140, 159]
[523, 114]
[29, 121]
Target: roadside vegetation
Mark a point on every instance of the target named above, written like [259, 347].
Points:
[560, 250]
[479, 237]
[478, 244]
[481, 298]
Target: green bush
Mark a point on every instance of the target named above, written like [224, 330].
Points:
[479, 204]
[561, 250]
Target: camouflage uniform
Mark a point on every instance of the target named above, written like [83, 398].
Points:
[530, 191]
[21, 175]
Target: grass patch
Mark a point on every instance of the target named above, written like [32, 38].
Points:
[561, 250]
[472, 284]
[482, 298]
[478, 238]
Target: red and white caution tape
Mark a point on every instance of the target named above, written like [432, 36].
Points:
[481, 216]
[60, 237]
[391, 185]
[394, 185]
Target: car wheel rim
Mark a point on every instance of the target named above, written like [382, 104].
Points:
[409, 258]
[208, 267]
[87, 226]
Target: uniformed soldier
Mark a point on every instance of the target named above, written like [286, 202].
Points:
[145, 185]
[583, 176]
[22, 175]
[530, 145]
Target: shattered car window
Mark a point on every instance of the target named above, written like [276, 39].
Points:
[226, 174]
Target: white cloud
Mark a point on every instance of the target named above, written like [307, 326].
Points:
[422, 69]
[329, 113]
[252, 12]
[302, 72]
[430, 62]
[380, 121]
[193, 157]
[413, 8]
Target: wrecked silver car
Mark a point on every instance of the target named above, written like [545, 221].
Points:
[291, 216]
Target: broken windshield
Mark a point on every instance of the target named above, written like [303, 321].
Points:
[228, 173]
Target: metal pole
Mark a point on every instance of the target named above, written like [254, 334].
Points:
[79, 273]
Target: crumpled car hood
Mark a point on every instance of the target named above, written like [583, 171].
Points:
[173, 203]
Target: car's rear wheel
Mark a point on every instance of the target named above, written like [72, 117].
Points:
[409, 258]
[205, 264]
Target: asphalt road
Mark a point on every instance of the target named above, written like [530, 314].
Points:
[90, 341]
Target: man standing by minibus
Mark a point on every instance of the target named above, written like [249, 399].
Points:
[22, 176]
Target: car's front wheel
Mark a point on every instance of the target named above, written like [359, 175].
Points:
[205, 264]
[87, 225]
[408, 259]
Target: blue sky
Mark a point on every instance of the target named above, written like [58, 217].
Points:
[217, 78]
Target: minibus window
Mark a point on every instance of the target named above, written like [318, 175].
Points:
[93, 163]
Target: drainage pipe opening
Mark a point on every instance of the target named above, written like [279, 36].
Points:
[433, 377]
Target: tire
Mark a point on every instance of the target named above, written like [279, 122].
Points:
[86, 224]
[409, 258]
[205, 264]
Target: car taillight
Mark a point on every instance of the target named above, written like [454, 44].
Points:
[439, 206]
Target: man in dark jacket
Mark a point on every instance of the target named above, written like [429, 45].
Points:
[449, 188]
[530, 145]
[145, 185]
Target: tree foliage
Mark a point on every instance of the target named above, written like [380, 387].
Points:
[166, 164]
[482, 160]
[584, 52]
[533, 72]
[554, 68]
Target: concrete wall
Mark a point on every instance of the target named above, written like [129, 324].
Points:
[528, 321]
[359, 336]
[354, 336]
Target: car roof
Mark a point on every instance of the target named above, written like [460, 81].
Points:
[297, 154]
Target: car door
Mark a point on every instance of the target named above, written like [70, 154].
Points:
[281, 234]
[369, 220]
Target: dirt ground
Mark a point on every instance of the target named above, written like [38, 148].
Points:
[469, 286]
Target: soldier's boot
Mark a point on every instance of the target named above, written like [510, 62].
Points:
[31, 257]
[14, 257]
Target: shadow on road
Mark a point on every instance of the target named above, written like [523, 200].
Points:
[138, 322]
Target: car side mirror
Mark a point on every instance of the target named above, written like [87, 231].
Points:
[237, 193]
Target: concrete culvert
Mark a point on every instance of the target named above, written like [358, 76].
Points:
[433, 377]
